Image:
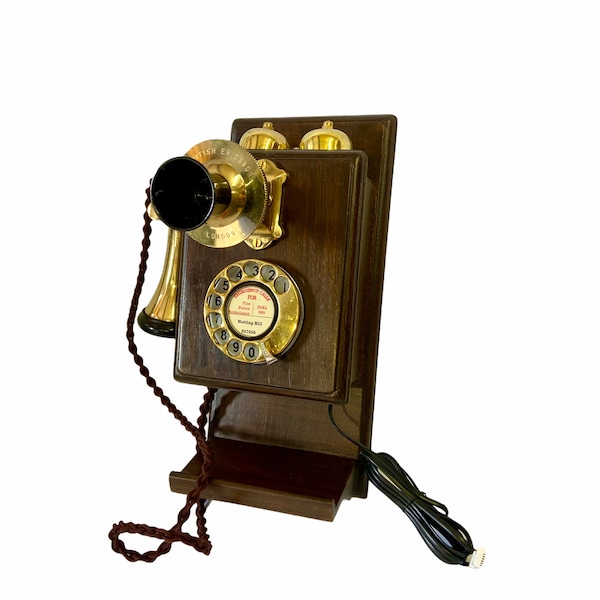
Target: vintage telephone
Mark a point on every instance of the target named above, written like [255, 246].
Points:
[272, 287]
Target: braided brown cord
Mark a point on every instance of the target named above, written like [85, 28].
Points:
[201, 543]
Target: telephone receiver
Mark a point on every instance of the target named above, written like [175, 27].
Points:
[271, 287]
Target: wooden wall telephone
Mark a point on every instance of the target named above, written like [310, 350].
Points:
[272, 288]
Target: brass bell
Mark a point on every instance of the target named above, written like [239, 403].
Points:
[263, 138]
[326, 138]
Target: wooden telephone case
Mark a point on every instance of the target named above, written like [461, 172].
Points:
[273, 444]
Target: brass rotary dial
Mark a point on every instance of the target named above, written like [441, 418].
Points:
[253, 311]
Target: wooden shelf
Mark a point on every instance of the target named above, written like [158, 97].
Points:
[300, 482]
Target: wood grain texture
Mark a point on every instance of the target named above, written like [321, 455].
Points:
[321, 252]
[303, 483]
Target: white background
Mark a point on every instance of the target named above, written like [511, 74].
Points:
[488, 370]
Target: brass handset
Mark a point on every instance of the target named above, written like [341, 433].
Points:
[218, 194]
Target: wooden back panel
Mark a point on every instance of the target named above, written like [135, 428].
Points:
[335, 215]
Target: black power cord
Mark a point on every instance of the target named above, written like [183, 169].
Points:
[446, 538]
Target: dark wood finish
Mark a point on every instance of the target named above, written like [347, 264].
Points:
[307, 484]
[335, 213]
[321, 252]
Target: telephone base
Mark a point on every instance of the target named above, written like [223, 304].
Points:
[298, 482]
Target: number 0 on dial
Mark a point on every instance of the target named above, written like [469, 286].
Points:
[253, 311]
